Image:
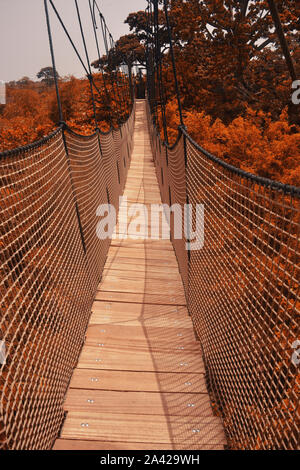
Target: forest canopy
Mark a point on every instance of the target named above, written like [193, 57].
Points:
[234, 81]
[234, 84]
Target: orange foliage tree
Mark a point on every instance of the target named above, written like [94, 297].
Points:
[233, 81]
[31, 111]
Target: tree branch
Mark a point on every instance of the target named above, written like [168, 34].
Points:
[244, 8]
[282, 39]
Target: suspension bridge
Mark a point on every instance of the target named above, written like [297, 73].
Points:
[141, 343]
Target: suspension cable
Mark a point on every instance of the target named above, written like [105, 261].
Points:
[120, 96]
[61, 118]
[148, 62]
[92, 11]
[69, 37]
[90, 77]
[173, 62]
[104, 35]
[151, 68]
[115, 80]
[73, 46]
[159, 71]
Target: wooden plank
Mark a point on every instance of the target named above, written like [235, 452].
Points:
[137, 176]
[124, 358]
[142, 337]
[139, 199]
[135, 314]
[164, 245]
[75, 444]
[136, 187]
[123, 272]
[135, 194]
[153, 277]
[149, 183]
[142, 286]
[141, 333]
[165, 283]
[126, 258]
[142, 253]
[141, 175]
[143, 403]
[138, 192]
[145, 298]
[142, 428]
[138, 381]
[139, 267]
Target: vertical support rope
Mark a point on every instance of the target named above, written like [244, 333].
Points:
[92, 11]
[120, 95]
[151, 68]
[159, 72]
[62, 122]
[173, 62]
[104, 34]
[90, 77]
[61, 118]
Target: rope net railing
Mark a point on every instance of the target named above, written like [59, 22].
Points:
[51, 255]
[242, 290]
[242, 283]
[51, 264]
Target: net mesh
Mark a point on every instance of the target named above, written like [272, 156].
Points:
[242, 292]
[51, 263]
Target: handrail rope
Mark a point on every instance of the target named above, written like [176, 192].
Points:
[273, 184]
[33, 145]
[267, 182]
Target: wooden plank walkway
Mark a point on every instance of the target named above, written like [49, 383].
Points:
[139, 383]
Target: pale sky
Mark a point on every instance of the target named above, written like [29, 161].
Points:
[24, 47]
